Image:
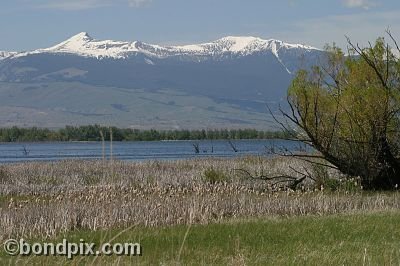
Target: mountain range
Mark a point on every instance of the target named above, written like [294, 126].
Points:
[221, 84]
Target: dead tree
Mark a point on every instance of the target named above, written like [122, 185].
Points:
[232, 146]
[196, 147]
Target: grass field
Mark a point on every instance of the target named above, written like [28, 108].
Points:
[196, 212]
[351, 239]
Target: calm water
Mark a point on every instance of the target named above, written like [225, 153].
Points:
[135, 151]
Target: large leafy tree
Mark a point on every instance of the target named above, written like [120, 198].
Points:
[348, 109]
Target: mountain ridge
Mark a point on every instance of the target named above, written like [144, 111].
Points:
[223, 84]
[83, 44]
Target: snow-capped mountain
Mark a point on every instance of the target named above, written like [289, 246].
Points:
[84, 45]
[4, 54]
[228, 81]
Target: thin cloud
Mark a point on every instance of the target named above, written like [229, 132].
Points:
[361, 28]
[86, 4]
[73, 5]
[138, 3]
[365, 4]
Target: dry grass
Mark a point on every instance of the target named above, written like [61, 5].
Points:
[45, 199]
[37, 177]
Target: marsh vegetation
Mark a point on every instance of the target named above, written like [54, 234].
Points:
[46, 199]
[195, 207]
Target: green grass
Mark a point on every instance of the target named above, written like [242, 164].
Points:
[353, 239]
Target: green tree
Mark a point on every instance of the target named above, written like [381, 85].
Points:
[348, 109]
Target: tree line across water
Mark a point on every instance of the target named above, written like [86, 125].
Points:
[98, 133]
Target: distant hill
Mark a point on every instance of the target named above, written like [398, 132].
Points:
[221, 84]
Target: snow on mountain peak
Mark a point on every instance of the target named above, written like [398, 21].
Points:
[242, 45]
[4, 54]
[81, 37]
[227, 44]
[75, 42]
[83, 44]
[238, 44]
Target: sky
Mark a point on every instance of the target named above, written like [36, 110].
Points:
[32, 24]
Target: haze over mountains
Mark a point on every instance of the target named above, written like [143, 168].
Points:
[220, 84]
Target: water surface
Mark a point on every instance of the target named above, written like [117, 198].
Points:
[137, 150]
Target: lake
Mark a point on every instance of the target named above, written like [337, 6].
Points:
[136, 151]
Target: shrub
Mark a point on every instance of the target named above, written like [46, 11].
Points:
[213, 176]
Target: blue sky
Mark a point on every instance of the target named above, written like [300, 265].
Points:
[31, 24]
